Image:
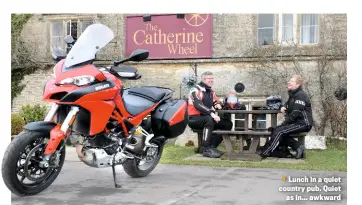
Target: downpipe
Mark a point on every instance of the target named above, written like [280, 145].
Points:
[79, 151]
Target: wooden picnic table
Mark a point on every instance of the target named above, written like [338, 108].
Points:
[273, 113]
[244, 134]
[247, 133]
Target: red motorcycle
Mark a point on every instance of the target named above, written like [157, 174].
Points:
[109, 124]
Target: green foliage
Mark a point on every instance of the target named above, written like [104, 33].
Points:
[33, 113]
[21, 63]
[17, 124]
[18, 21]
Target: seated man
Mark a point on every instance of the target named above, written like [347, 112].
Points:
[298, 119]
[201, 107]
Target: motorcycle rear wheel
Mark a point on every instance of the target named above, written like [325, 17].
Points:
[22, 149]
[136, 170]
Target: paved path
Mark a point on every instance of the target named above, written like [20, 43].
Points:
[172, 184]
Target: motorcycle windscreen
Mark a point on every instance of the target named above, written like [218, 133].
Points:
[95, 37]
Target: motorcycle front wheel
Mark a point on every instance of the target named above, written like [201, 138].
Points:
[20, 168]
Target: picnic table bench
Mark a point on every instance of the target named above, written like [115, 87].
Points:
[247, 134]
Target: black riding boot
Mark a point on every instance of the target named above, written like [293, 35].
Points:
[216, 141]
[208, 150]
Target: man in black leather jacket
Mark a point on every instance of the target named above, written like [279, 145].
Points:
[201, 108]
[298, 118]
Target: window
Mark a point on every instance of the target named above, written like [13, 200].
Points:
[265, 29]
[308, 28]
[57, 35]
[259, 120]
[287, 32]
[72, 29]
[60, 29]
[239, 121]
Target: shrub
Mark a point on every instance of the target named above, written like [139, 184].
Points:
[33, 113]
[17, 124]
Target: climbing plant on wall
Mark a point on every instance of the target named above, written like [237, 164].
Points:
[21, 59]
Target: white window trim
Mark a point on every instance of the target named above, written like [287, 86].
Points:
[68, 23]
[295, 28]
[317, 31]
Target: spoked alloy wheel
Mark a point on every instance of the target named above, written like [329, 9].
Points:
[141, 168]
[20, 169]
[149, 160]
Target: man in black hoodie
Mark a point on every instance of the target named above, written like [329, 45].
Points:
[201, 108]
[298, 118]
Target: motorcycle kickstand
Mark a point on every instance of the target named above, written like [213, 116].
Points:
[114, 174]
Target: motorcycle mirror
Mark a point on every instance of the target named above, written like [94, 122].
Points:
[138, 55]
[69, 39]
[239, 87]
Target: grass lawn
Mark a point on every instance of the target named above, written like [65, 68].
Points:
[334, 158]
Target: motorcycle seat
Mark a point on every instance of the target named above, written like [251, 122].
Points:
[153, 94]
[139, 99]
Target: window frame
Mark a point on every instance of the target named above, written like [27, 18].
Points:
[294, 27]
[51, 33]
[317, 31]
[65, 22]
[257, 29]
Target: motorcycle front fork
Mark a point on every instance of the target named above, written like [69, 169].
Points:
[58, 133]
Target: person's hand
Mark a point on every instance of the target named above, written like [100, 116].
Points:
[218, 107]
[215, 117]
[283, 109]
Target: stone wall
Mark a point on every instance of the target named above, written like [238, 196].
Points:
[33, 91]
[36, 33]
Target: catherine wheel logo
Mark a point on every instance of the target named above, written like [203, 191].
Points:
[196, 19]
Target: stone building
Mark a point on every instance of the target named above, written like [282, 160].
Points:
[235, 47]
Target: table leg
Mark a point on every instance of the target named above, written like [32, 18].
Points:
[274, 120]
[228, 144]
[254, 145]
[246, 122]
[241, 144]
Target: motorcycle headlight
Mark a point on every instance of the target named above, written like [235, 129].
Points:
[79, 80]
